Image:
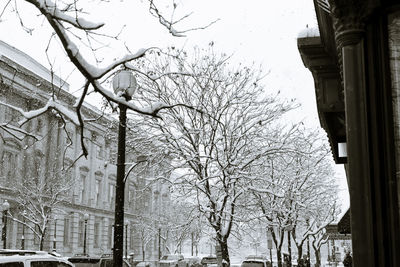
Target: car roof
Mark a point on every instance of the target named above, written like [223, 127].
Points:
[5, 252]
[8, 255]
[173, 255]
[251, 257]
[255, 260]
[82, 259]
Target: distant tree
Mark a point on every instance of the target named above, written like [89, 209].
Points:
[39, 199]
[294, 187]
[178, 225]
[314, 190]
[318, 233]
[230, 128]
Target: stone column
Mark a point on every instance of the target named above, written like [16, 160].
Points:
[348, 19]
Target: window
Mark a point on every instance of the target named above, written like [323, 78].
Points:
[35, 236]
[67, 232]
[132, 238]
[38, 166]
[12, 264]
[98, 188]
[99, 151]
[81, 227]
[49, 263]
[110, 234]
[39, 126]
[82, 186]
[97, 236]
[97, 192]
[131, 196]
[11, 116]
[111, 193]
[9, 164]
[69, 136]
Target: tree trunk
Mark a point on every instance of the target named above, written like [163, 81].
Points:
[41, 243]
[279, 256]
[278, 245]
[222, 252]
[317, 257]
[289, 249]
[299, 253]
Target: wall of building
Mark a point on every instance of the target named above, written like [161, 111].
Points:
[58, 152]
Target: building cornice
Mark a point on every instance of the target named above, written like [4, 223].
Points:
[328, 90]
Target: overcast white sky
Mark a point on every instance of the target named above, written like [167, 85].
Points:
[258, 31]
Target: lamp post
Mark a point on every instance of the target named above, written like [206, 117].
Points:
[124, 84]
[23, 231]
[5, 207]
[55, 233]
[86, 218]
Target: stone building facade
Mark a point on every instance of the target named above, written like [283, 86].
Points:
[57, 153]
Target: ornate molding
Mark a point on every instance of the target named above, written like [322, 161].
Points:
[349, 17]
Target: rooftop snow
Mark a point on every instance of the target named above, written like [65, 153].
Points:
[308, 32]
[29, 63]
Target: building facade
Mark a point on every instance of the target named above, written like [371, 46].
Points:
[354, 61]
[47, 148]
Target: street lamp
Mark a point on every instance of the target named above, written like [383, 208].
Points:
[86, 218]
[124, 84]
[23, 231]
[5, 207]
[55, 233]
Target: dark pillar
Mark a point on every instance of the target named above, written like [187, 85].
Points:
[120, 190]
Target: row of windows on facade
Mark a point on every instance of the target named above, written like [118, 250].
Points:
[11, 159]
[9, 169]
[38, 127]
[100, 234]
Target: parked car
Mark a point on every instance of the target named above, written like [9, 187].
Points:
[82, 260]
[193, 261]
[143, 264]
[256, 257]
[31, 258]
[209, 261]
[256, 262]
[106, 260]
[172, 260]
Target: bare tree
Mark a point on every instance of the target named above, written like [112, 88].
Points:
[83, 42]
[38, 201]
[145, 232]
[178, 224]
[230, 129]
[295, 184]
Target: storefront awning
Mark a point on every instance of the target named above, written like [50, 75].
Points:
[344, 223]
